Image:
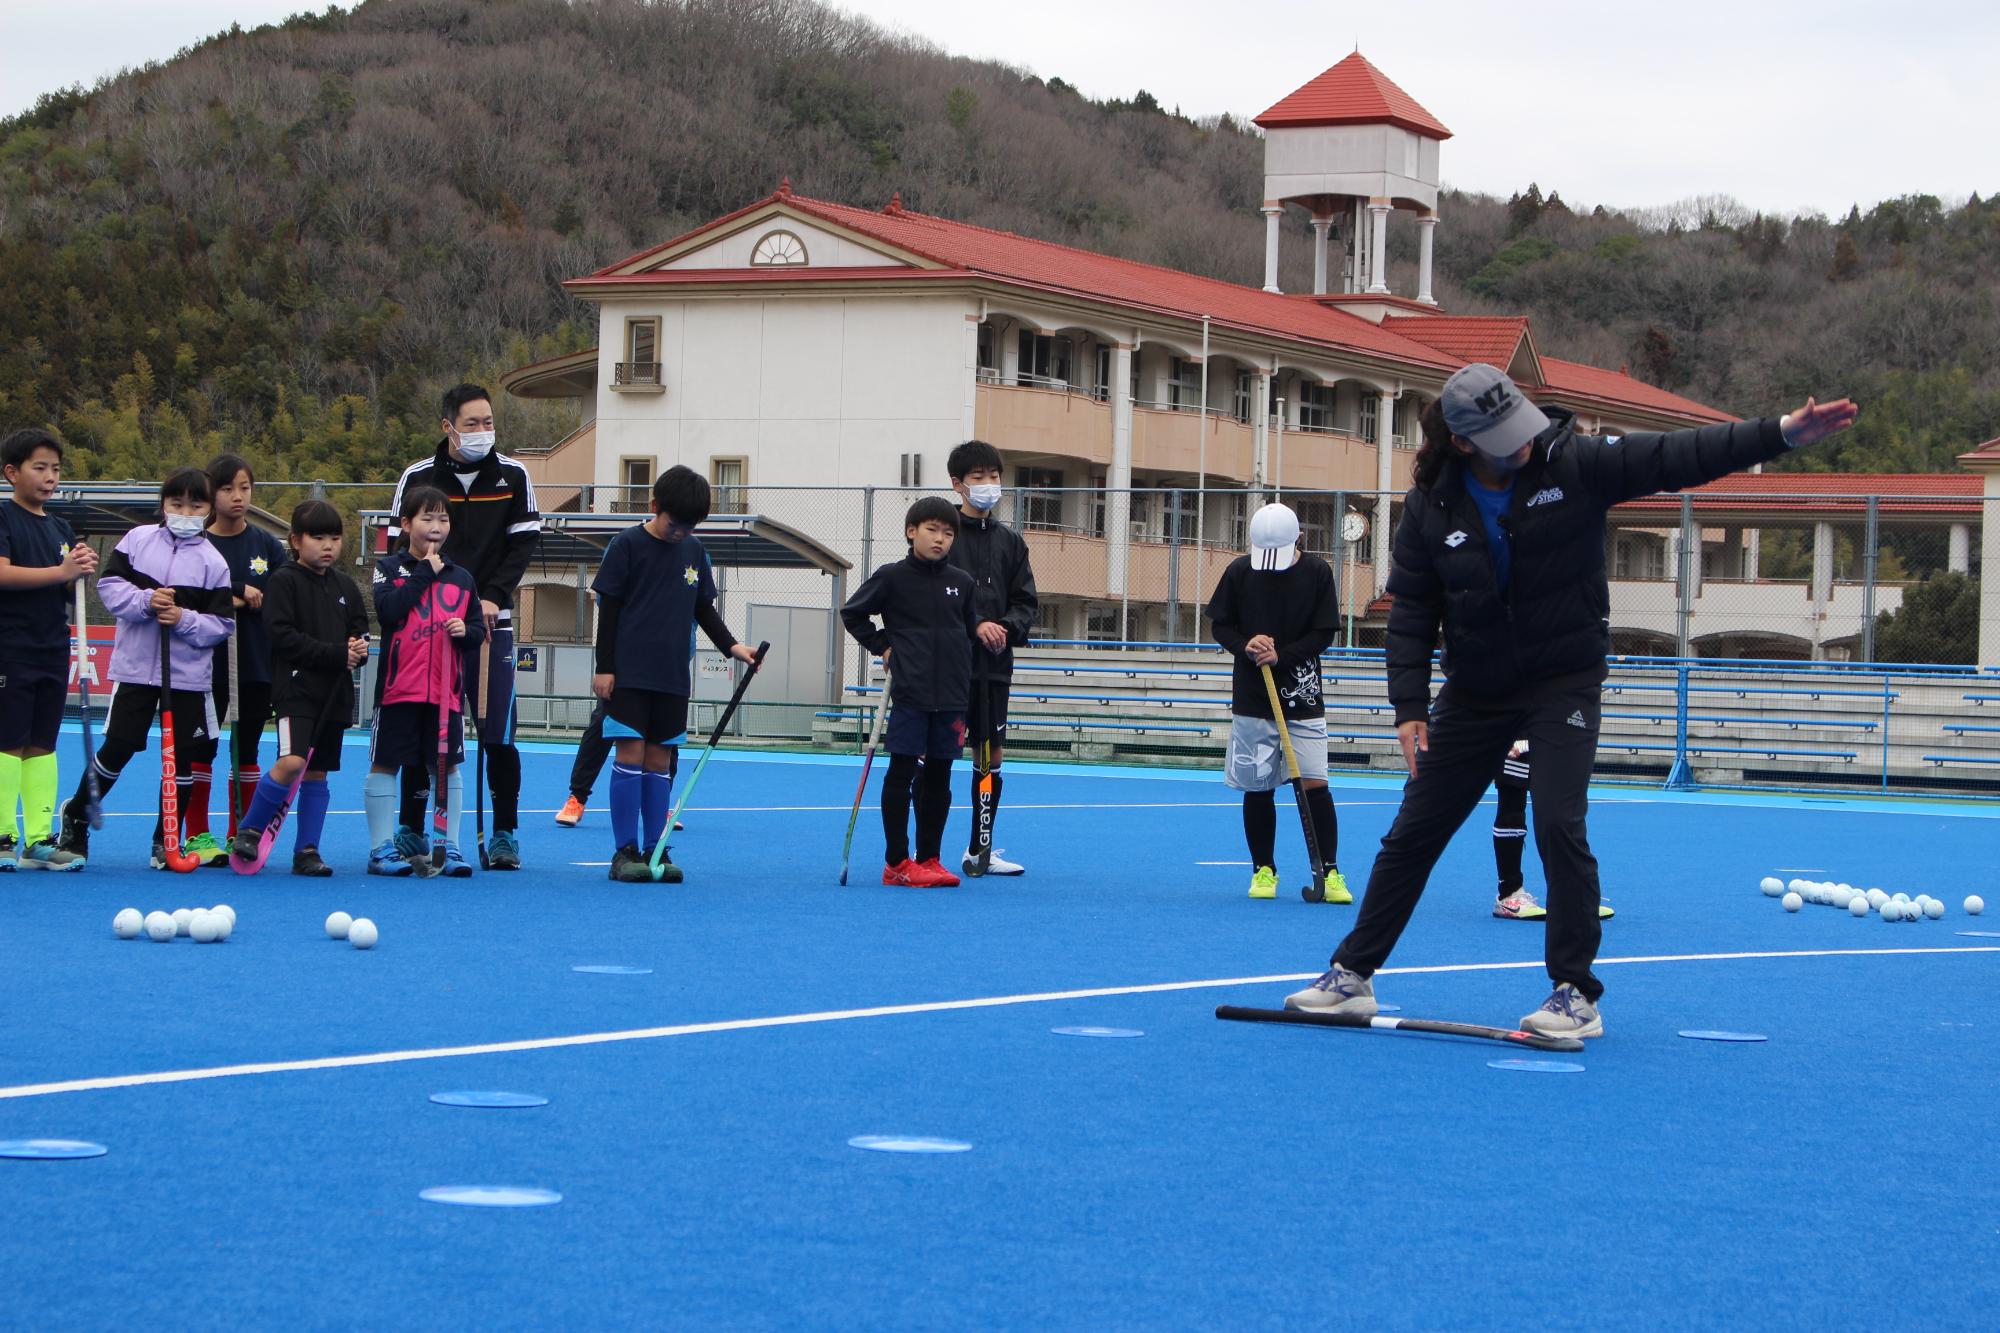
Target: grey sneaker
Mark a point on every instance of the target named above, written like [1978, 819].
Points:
[1565, 1014]
[503, 850]
[1338, 991]
[45, 855]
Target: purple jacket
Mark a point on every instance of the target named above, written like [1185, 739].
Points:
[156, 554]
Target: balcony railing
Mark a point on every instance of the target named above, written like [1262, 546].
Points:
[636, 374]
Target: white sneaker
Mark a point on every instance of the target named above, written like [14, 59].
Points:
[1565, 1014]
[995, 865]
[1338, 991]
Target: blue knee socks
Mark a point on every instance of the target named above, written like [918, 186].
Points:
[626, 799]
[656, 798]
[270, 795]
[311, 813]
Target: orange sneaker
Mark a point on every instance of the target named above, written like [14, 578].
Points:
[571, 814]
[931, 874]
[898, 875]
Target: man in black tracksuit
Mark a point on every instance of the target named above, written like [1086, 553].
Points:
[495, 527]
[1004, 605]
[925, 640]
[1502, 546]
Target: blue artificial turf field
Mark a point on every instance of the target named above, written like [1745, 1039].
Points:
[1207, 1174]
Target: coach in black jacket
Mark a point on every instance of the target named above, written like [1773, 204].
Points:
[1501, 547]
[1004, 605]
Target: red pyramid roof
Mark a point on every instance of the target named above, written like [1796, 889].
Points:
[1353, 92]
[1488, 338]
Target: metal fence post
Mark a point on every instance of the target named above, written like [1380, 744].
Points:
[1690, 542]
[1174, 565]
[867, 568]
[1681, 775]
[1868, 565]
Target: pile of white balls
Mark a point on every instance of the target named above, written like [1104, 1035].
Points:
[358, 931]
[1860, 902]
[203, 925]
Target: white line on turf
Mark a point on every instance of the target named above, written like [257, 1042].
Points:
[1222, 863]
[879, 1011]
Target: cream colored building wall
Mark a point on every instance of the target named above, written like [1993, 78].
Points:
[824, 249]
[1371, 161]
[811, 391]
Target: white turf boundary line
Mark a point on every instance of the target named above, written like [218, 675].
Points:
[881, 1011]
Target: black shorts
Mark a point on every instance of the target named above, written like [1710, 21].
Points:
[31, 707]
[253, 710]
[133, 708]
[991, 718]
[652, 716]
[912, 731]
[295, 737]
[406, 736]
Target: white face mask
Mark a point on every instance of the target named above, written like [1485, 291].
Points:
[187, 525]
[474, 445]
[984, 495]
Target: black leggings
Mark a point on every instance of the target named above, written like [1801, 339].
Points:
[927, 784]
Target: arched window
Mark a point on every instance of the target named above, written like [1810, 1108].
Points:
[778, 249]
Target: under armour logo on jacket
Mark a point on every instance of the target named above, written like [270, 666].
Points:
[1456, 539]
[1547, 495]
[1576, 720]
[950, 591]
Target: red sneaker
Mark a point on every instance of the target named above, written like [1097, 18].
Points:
[898, 875]
[931, 874]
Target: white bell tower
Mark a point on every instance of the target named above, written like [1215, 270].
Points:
[1351, 144]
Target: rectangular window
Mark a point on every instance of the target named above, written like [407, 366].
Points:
[1239, 523]
[1132, 389]
[1184, 389]
[1177, 500]
[1315, 406]
[727, 478]
[1246, 389]
[642, 352]
[1100, 624]
[989, 353]
[635, 486]
[1369, 405]
[1038, 493]
[1097, 504]
[1102, 389]
[1044, 361]
[1316, 520]
[912, 473]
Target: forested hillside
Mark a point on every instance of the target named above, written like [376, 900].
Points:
[286, 241]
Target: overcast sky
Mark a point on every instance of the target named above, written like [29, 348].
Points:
[1785, 105]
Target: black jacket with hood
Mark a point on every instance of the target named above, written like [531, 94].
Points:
[1552, 619]
[1003, 587]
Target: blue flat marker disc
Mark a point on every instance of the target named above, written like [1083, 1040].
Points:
[1979, 934]
[1536, 1066]
[613, 970]
[50, 1150]
[1097, 1032]
[1711, 1034]
[489, 1099]
[1388, 1008]
[906, 1143]
[491, 1196]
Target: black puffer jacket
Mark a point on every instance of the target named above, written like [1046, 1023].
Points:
[1003, 587]
[926, 611]
[1553, 618]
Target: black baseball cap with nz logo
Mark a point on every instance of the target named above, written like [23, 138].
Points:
[1483, 405]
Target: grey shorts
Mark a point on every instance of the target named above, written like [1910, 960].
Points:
[1257, 762]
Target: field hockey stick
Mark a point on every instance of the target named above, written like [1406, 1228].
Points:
[443, 650]
[867, 762]
[659, 858]
[1314, 892]
[170, 795]
[1385, 1023]
[984, 790]
[479, 760]
[268, 838]
[233, 719]
[86, 672]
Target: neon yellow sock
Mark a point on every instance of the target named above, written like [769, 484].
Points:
[10, 794]
[38, 797]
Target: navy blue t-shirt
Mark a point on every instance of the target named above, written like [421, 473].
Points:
[660, 583]
[1491, 505]
[34, 623]
[253, 555]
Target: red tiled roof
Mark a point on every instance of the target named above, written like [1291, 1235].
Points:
[1353, 92]
[1488, 338]
[956, 250]
[1987, 452]
[1573, 379]
[1831, 492]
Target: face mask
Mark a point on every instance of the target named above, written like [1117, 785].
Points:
[186, 525]
[474, 445]
[983, 496]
